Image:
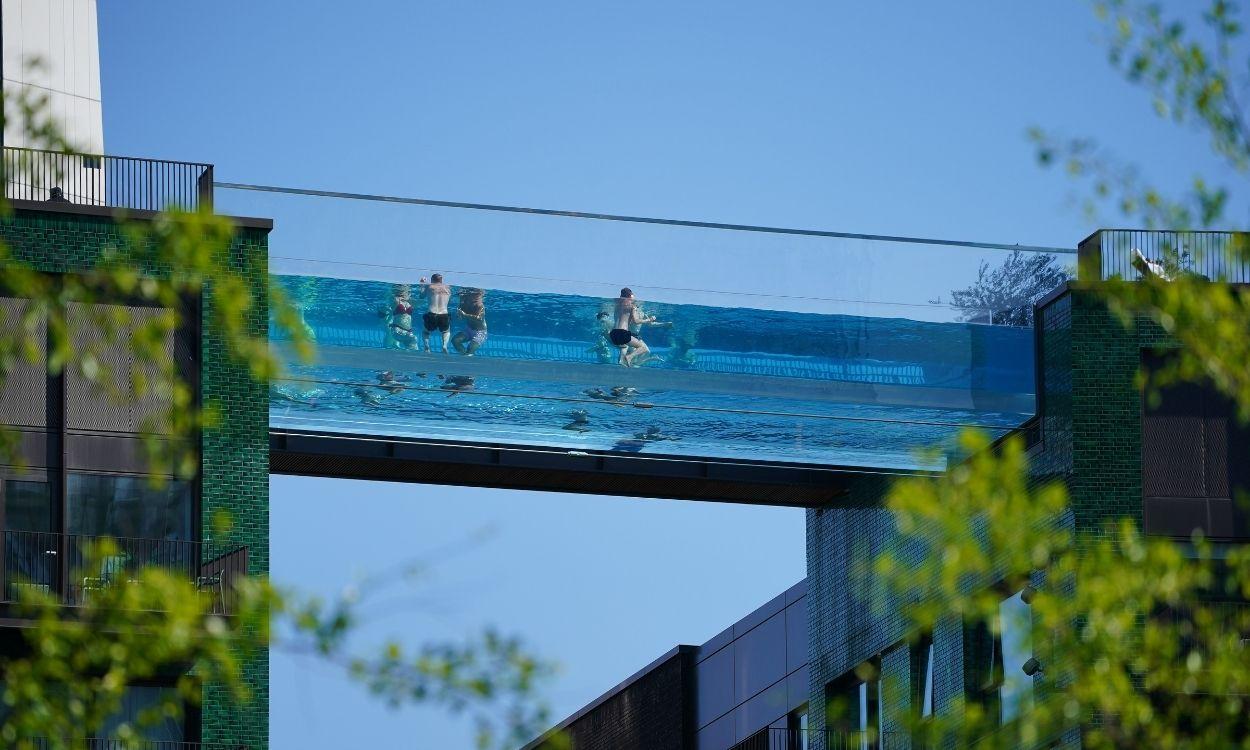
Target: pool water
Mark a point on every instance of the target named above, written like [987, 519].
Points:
[727, 382]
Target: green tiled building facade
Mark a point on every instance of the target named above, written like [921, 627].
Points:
[235, 454]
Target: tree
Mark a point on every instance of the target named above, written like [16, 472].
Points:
[1010, 290]
[78, 664]
[1135, 651]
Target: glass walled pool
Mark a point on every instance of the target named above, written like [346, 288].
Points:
[793, 363]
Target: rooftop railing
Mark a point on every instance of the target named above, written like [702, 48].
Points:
[102, 180]
[1218, 256]
[68, 568]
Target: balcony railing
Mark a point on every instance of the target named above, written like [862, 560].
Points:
[63, 566]
[1114, 252]
[771, 738]
[113, 181]
[93, 743]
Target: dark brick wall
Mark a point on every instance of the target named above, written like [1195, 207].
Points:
[652, 713]
[235, 454]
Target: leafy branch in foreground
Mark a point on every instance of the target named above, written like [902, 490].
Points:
[1137, 638]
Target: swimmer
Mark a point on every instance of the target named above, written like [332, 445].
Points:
[633, 349]
[616, 396]
[457, 384]
[601, 350]
[653, 434]
[399, 333]
[391, 382]
[581, 421]
[682, 352]
[280, 392]
[473, 312]
[368, 396]
[436, 318]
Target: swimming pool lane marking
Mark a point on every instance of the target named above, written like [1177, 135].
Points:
[637, 219]
[645, 405]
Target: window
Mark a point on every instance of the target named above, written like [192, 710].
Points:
[1190, 476]
[994, 659]
[924, 653]
[853, 707]
[128, 507]
[1016, 642]
[135, 701]
[27, 506]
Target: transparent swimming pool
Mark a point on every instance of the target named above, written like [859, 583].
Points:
[734, 377]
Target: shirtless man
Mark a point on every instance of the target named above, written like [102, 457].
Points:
[437, 295]
[628, 314]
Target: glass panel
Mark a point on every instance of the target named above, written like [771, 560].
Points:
[27, 506]
[1017, 643]
[128, 507]
[136, 710]
[30, 549]
[781, 346]
[760, 657]
[802, 731]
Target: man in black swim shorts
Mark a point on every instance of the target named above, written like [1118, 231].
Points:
[436, 318]
[628, 314]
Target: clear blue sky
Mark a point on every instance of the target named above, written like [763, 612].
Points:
[896, 118]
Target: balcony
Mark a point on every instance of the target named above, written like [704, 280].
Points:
[771, 738]
[785, 348]
[62, 565]
[1114, 253]
[110, 181]
[92, 743]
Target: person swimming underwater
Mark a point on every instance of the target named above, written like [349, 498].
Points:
[457, 384]
[392, 382]
[580, 423]
[368, 396]
[653, 434]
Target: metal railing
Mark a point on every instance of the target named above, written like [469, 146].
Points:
[95, 743]
[1218, 256]
[772, 738]
[101, 180]
[69, 568]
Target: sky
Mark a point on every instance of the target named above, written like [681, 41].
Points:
[904, 118]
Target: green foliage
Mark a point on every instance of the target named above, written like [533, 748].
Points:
[1138, 638]
[1141, 640]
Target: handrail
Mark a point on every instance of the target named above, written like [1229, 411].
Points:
[127, 182]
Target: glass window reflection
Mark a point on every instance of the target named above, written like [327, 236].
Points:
[128, 507]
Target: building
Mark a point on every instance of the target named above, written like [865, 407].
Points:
[85, 472]
[1171, 466]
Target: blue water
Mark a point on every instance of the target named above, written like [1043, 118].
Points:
[984, 372]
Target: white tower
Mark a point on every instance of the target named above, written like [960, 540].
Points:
[63, 36]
